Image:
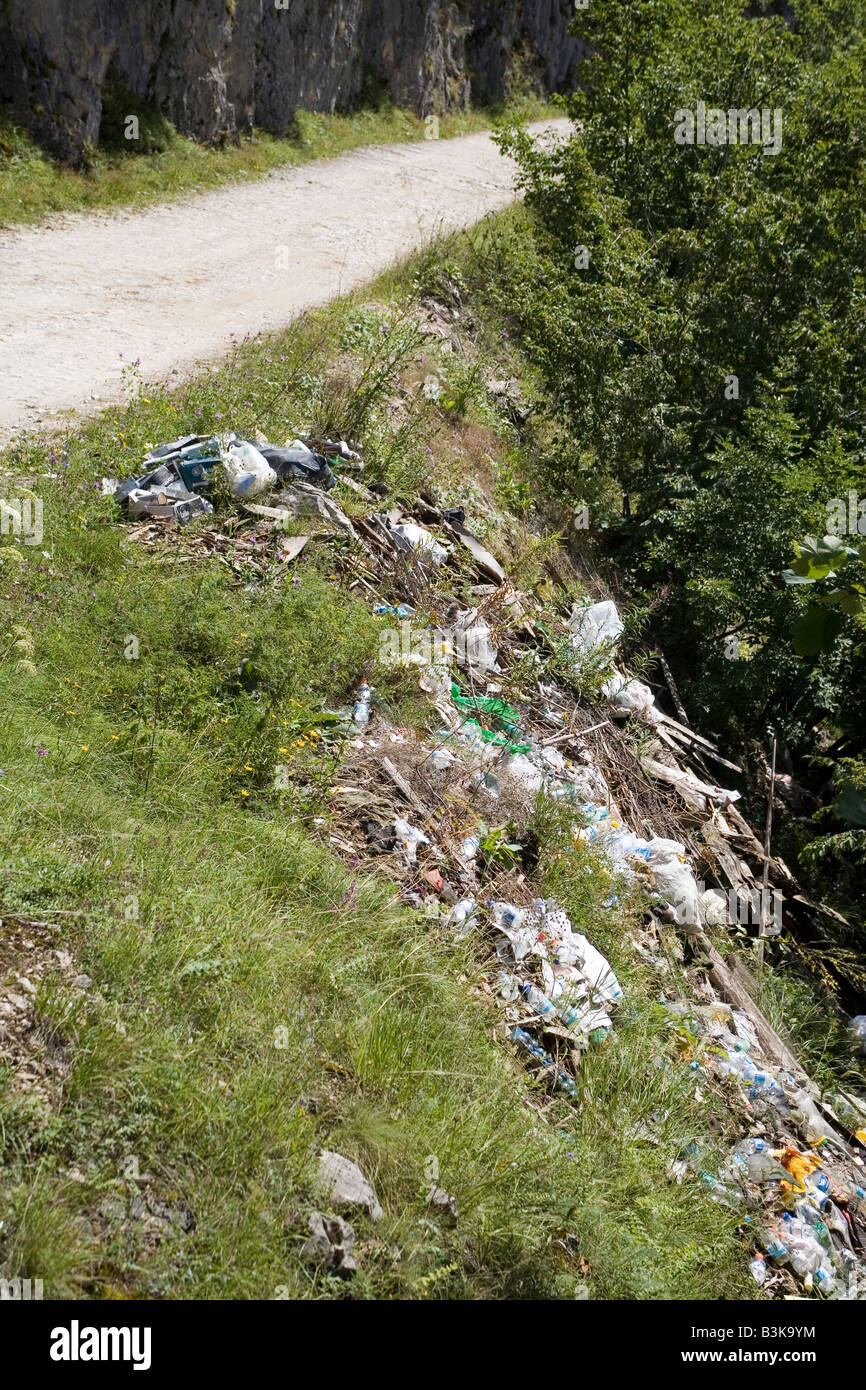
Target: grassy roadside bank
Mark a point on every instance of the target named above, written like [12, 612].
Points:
[163, 164]
[155, 1139]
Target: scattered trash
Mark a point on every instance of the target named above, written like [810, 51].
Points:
[561, 1079]
[475, 651]
[463, 913]
[631, 697]
[296, 460]
[402, 612]
[409, 839]
[444, 1203]
[470, 848]
[302, 499]
[714, 907]
[499, 712]
[382, 839]
[175, 475]
[558, 993]
[361, 712]
[482, 557]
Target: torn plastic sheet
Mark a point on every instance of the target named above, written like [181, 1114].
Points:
[594, 626]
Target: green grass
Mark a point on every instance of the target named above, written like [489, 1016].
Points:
[163, 164]
[138, 816]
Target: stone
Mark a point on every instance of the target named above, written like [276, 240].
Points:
[445, 1204]
[346, 1185]
[216, 70]
[331, 1243]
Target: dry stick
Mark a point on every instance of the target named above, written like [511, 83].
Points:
[768, 830]
[575, 733]
[675, 694]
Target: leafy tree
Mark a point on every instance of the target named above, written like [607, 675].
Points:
[697, 312]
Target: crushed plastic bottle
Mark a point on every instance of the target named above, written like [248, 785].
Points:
[361, 713]
[402, 611]
[469, 848]
[538, 1000]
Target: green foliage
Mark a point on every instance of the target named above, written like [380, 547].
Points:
[696, 312]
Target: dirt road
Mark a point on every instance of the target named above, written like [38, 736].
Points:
[169, 284]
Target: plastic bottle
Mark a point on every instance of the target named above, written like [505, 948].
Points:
[586, 1018]
[361, 715]
[460, 911]
[775, 1243]
[505, 914]
[808, 1117]
[805, 1253]
[758, 1268]
[825, 1279]
[857, 1200]
[441, 759]
[740, 1064]
[538, 1000]
[249, 472]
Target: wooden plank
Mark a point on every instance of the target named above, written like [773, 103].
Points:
[736, 994]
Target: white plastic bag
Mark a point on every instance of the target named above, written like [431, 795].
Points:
[714, 907]
[660, 850]
[676, 884]
[249, 473]
[525, 772]
[474, 649]
[409, 839]
[411, 537]
[594, 626]
[597, 972]
[631, 697]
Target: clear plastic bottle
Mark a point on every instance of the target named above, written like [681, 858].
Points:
[505, 914]
[758, 1268]
[775, 1242]
[538, 1000]
[361, 715]
[462, 911]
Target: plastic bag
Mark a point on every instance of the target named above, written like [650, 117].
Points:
[631, 697]
[474, 649]
[676, 884]
[411, 537]
[249, 473]
[409, 839]
[525, 772]
[714, 907]
[595, 626]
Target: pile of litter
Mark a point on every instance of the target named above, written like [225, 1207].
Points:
[177, 477]
[799, 1183]
[503, 731]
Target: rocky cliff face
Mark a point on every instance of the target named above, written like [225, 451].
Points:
[217, 67]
